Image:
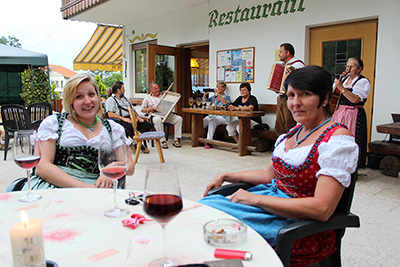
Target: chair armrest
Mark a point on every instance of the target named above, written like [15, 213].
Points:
[287, 235]
[229, 189]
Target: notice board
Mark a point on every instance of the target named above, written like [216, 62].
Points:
[236, 65]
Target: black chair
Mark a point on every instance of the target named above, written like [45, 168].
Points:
[339, 221]
[37, 112]
[17, 184]
[15, 117]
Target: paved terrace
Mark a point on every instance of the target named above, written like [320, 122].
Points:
[376, 200]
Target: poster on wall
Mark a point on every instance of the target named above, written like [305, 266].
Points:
[236, 65]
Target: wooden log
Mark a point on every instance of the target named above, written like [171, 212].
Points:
[390, 166]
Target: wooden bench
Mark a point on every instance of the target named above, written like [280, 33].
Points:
[268, 135]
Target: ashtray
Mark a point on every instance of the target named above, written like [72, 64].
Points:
[224, 232]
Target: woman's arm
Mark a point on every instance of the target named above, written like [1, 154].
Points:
[353, 98]
[50, 172]
[253, 177]
[320, 207]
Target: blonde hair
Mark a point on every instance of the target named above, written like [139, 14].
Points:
[70, 91]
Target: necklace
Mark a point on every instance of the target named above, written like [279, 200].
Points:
[89, 127]
[305, 137]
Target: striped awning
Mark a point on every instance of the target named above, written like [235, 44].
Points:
[103, 51]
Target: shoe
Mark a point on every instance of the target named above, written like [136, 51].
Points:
[133, 147]
[145, 150]
[164, 145]
[176, 144]
[208, 146]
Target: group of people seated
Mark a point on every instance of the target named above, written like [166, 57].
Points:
[304, 180]
[246, 102]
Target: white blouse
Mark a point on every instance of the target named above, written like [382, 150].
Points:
[361, 88]
[70, 136]
[337, 158]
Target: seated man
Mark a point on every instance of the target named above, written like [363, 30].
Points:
[116, 104]
[148, 105]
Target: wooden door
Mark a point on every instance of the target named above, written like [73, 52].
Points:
[366, 31]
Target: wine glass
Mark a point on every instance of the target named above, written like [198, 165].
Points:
[208, 103]
[26, 152]
[199, 100]
[191, 102]
[162, 202]
[113, 164]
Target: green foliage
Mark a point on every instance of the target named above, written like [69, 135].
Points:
[11, 41]
[164, 76]
[112, 78]
[35, 86]
[54, 93]
[100, 84]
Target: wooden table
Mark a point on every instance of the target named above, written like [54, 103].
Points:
[389, 128]
[76, 233]
[386, 147]
[244, 144]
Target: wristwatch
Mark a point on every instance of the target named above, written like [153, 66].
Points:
[344, 89]
[239, 108]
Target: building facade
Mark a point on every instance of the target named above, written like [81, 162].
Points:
[323, 33]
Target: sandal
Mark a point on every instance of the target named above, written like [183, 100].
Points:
[176, 144]
[164, 145]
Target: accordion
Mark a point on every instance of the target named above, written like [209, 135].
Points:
[277, 77]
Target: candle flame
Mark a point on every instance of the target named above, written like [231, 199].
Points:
[24, 218]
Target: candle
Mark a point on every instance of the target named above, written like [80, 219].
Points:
[27, 242]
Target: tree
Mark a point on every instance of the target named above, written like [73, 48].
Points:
[100, 84]
[114, 77]
[11, 41]
[35, 86]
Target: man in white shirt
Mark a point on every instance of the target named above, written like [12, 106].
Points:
[284, 118]
[149, 104]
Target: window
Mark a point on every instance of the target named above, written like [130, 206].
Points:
[337, 53]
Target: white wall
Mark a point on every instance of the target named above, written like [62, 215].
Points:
[266, 34]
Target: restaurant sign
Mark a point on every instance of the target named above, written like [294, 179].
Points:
[255, 12]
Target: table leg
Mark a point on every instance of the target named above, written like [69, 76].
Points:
[244, 136]
[197, 129]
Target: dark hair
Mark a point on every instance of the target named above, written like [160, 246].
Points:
[314, 79]
[117, 85]
[288, 47]
[247, 85]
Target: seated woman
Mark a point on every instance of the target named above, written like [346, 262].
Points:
[69, 141]
[219, 99]
[245, 101]
[310, 168]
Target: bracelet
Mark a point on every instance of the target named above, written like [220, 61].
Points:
[344, 89]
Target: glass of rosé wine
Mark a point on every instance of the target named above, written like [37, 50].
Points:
[162, 202]
[26, 152]
[113, 164]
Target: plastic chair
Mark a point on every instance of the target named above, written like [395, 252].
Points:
[17, 184]
[37, 112]
[339, 221]
[15, 117]
[139, 138]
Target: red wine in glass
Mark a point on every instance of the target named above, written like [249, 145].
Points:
[27, 162]
[162, 202]
[114, 173]
[113, 164]
[162, 207]
[26, 154]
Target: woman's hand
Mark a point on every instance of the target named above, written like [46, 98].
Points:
[244, 197]
[215, 183]
[231, 107]
[103, 182]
